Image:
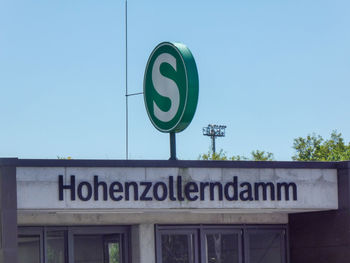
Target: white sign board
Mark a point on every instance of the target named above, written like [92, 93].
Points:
[57, 188]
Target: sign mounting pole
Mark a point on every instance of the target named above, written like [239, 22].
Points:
[172, 146]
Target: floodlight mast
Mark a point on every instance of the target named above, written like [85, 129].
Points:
[213, 131]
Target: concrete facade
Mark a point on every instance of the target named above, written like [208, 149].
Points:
[52, 218]
[143, 243]
[38, 188]
[314, 236]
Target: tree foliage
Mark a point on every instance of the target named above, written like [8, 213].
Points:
[221, 155]
[114, 255]
[262, 156]
[314, 148]
[311, 148]
[64, 158]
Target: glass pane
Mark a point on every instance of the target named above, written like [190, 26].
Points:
[29, 249]
[55, 250]
[222, 248]
[265, 247]
[177, 248]
[113, 252]
[88, 249]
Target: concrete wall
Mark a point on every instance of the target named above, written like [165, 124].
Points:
[143, 243]
[241, 190]
[323, 237]
[27, 218]
[314, 237]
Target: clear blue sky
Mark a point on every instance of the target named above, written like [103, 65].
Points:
[269, 70]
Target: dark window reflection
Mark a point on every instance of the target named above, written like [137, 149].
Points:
[50, 245]
[222, 248]
[97, 249]
[265, 247]
[177, 248]
[56, 250]
[88, 248]
[29, 249]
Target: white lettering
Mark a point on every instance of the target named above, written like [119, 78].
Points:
[165, 87]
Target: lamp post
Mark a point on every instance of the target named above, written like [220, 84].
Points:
[213, 131]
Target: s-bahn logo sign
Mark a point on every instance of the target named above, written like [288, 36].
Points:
[171, 87]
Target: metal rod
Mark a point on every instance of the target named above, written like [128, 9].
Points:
[126, 84]
[133, 94]
[172, 146]
[213, 144]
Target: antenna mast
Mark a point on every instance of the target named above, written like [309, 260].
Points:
[126, 84]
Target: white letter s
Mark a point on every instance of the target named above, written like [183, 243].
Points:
[165, 87]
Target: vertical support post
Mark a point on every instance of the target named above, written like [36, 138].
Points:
[213, 144]
[172, 146]
[142, 243]
[8, 214]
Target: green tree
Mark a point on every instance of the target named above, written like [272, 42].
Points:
[221, 155]
[314, 148]
[261, 156]
[114, 254]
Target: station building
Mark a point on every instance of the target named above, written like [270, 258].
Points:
[125, 211]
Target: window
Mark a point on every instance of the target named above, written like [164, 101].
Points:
[221, 244]
[30, 247]
[178, 247]
[265, 245]
[113, 250]
[56, 246]
[73, 244]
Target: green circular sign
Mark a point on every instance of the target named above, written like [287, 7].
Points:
[170, 87]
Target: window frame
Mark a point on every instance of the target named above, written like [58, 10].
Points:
[183, 230]
[284, 245]
[34, 231]
[70, 231]
[124, 232]
[221, 230]
[243, 236]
